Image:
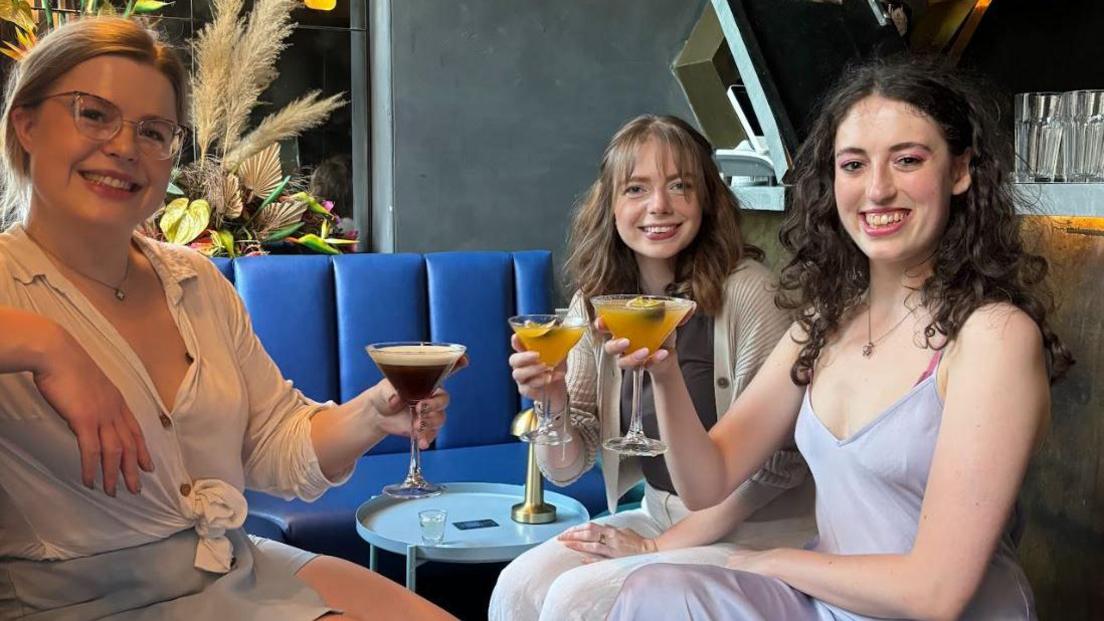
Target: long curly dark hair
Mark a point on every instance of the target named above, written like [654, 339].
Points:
[981, 257]
[599, 262]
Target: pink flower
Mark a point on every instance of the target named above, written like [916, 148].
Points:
[328, 205]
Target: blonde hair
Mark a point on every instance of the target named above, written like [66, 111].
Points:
[51, 58]
[598, 260]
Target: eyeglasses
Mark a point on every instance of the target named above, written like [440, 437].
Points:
[99, 119]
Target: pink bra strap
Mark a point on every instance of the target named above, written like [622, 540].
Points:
[932, 366]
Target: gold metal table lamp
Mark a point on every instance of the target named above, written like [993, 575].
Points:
[533, 510]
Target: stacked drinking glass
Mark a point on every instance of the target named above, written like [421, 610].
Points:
[1060, 136]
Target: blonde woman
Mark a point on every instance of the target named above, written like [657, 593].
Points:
[658, 220]
[123, 358]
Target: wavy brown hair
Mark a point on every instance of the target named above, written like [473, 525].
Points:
[980, 259]
[600, 263]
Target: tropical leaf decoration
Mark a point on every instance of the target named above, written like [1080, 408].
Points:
[25, 40]
[20, 13]
[182, 220]
[30, 19]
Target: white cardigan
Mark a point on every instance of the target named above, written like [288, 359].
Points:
[744, 334]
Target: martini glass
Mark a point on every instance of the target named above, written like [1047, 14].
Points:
[647, 321]
[552, 337]
[415, 370]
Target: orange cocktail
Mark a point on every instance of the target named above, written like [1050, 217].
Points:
[647, 321]
[552, 337]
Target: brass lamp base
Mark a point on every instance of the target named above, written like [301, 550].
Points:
[539, 514]
[534, 510]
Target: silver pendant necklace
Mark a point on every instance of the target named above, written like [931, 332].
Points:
[120, 293]
[868, 349]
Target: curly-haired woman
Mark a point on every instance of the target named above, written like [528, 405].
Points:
[658, 220]
[907, 263]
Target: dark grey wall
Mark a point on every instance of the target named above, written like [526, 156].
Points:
[501, 109]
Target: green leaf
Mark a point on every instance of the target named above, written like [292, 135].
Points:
[183, 221]
[142, 7]
[337, 241]
[19, 13]
[315, 243]
[224, 239]
[312, 203]
[275, 194]
[324, 229]
[129, 9]
[174, 189]
[281, 233]
[49, 14]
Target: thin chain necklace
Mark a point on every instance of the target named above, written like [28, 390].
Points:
[120, 294]
[868, 349]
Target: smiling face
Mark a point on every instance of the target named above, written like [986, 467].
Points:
[99, 184]
[656, 209]
[894, 178]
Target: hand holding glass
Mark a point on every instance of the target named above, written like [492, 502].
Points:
[646, 321]
[415, 370]
[552, 337]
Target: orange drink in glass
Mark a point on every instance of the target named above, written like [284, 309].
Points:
[647, 321]
[552, 337]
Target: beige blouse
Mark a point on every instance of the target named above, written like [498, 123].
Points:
[236, 423]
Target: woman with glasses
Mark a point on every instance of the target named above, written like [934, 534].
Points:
[123, 358]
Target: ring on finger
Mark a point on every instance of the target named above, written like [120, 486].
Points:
[602, 539]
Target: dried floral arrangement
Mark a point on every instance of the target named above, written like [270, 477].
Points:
[235, 199]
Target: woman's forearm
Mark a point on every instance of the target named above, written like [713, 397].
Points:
[342, 434]
[710, 525]
[25, 339]
[885, 585]
[694, 461]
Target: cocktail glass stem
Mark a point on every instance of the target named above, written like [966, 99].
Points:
[545, 422]
[414, 473]
[636, 425]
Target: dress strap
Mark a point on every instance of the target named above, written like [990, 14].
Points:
[932, 366]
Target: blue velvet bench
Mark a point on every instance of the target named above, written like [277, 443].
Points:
[314, 315]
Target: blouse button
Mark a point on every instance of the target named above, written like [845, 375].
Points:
[722, 382]
[166, 422]
[185, 489]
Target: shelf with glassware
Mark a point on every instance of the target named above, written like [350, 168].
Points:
[1051, 199]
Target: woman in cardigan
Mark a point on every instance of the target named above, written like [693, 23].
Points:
[658, 220]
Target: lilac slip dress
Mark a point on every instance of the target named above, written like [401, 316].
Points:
[870, 488]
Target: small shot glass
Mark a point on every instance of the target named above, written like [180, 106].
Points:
[432, 522]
